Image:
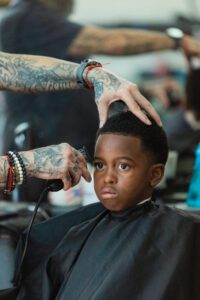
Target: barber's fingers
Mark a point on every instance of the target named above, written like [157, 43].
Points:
[67, 182]
[72, 178]
[102, 107]
[130, 102]
[79, 157]
[81, 164]
[76, 172]
[86, 174]
[145, 105]
[134, 100]
[135, 108]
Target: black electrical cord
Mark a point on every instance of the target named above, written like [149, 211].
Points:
[52, 186]
[17, 275]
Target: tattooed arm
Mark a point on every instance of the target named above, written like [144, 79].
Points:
[52, 162]
[27, 73]
[121, 41]
[93, 40]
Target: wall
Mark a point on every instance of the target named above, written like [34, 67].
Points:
[116, 11]
[96, 11]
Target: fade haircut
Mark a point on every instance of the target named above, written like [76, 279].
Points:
[153, 137]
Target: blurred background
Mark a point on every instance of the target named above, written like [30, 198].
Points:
[152, 14]
[33, 122]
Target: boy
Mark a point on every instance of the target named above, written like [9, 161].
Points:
[131, 248]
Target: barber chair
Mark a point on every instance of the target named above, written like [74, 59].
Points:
[14, 219]
[8, 242]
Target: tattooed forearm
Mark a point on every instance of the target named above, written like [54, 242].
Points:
[43, 161]
[47, 159]
[26, 73]
[118, 42]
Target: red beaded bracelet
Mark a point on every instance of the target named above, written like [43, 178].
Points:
[86, 64]
[11, 177]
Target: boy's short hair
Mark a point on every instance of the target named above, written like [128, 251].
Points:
[153, 137]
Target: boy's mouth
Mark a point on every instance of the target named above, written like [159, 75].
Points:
[107, 193]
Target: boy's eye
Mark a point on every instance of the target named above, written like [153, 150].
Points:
[98, 165]
[123, 166]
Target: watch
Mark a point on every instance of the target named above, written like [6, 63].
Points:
[83, 65]
[176, 34]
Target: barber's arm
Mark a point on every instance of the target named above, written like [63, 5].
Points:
[27, 73]
[52, 162]
[30, 73]
[119, 41]
[125, 41]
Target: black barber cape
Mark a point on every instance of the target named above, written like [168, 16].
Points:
[148, 252]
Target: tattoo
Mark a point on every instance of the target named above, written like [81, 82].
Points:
[48, 159]
[76, 169]
[102, 82]
[98, 90]
[117, 41]
[26, 74]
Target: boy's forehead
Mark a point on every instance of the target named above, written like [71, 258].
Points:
[117, 142]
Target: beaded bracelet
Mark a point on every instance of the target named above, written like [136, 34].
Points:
[22, 166]
[11, 177]
[86, 64]
[19, 165]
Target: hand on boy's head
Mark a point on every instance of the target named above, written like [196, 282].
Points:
[109, 88]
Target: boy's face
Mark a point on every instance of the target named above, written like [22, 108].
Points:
[124, 172]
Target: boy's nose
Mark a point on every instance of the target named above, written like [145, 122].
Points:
[110, 177]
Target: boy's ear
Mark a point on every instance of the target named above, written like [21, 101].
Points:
[156, 174]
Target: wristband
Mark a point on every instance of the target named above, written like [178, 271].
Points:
[86, 63]
[11, 176]
[18, 163]
[22, 165]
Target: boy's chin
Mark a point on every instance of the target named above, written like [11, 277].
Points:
[114, 206]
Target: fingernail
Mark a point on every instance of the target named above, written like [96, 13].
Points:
[100, 124]
[147, 121]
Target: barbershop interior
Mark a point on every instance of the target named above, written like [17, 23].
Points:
[166, 70]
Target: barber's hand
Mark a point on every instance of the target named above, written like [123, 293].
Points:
[110, 88]
[191, 48]
[56, 162]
